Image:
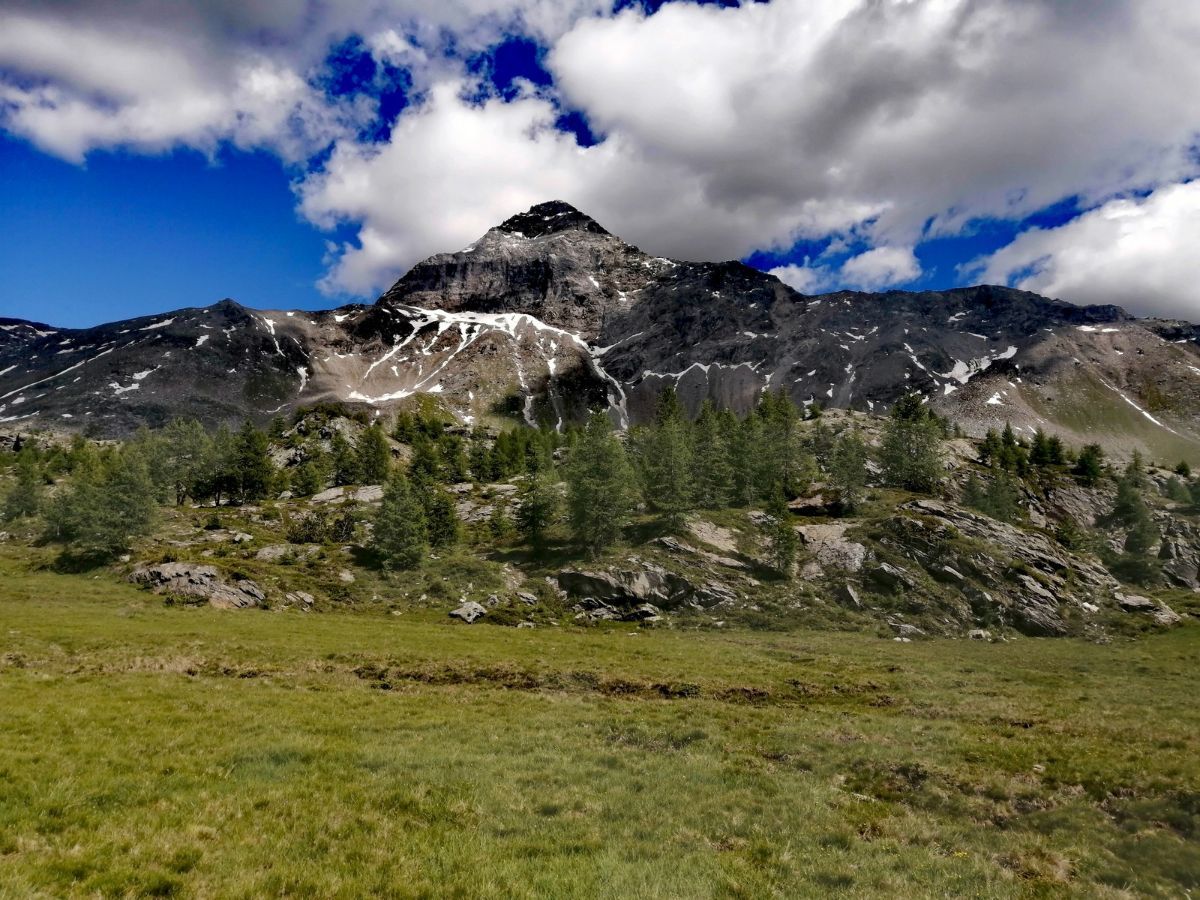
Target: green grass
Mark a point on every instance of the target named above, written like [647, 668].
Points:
[149, 750]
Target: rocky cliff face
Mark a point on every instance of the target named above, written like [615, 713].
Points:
[548, 314]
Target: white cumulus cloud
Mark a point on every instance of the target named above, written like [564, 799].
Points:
[881, 267]
[1143, 254]
[723, 130]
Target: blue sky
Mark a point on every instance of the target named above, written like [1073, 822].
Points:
[304, 164]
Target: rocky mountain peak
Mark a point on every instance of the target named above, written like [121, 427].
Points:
[553, 217]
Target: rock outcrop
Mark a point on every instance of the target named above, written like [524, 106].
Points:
[199, 584]
[648, 583]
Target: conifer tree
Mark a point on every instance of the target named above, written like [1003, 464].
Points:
[601, 493]
[781, 536]
[911, 449]
[374, 455]
[400, 537]
[188, 451]
[1129, 508]
[499, 523]
[781, 458]
[974, 494]
[540, 502]
[711, 464]
[745, 443]
[1002, 500]
[666, 455]
[426, 460]
[1177, 491]
[848, 469]
[1089, 468]
[442, 525]
[26, 496]
[252, 465]
[345, 460]
[218, 479]
[106, 507]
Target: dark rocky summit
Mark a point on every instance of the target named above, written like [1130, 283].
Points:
[549, 314]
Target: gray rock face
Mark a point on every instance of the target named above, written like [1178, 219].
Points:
[1021, 579]
[647, 584]
[1162, 614]
[200, 583]
[833, 553]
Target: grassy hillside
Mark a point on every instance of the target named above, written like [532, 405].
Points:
[1092, 411]
[150, 750]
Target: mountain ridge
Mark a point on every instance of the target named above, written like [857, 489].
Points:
[549, 314]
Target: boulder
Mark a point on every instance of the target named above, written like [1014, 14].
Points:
[847, 595]
[1161, 613]
[903, 629]
[674, 545]
[469, 612]
[713, 535]
[831, 549]
[204, 584]
[627, 588]
[891, 578]
[644, 613]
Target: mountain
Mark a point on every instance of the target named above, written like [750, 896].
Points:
[548, 314]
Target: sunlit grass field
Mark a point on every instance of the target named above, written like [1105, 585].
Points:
[149, 750]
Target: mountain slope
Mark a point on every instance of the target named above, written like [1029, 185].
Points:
[548, 314]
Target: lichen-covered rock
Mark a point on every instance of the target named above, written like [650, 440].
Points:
[649, 583]
[200, 583]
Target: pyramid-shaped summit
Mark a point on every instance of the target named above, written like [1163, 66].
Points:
[551, 218]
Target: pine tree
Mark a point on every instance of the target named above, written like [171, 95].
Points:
[218, 476]
[252, 465]
[745, 444]
[1041, 454]
[781, 457]
[781, 536]
[540, 502]
[345, 461]
[441, 519]
[1178, 491]
[1129, 508]
[106, 507]
[911, 449]
[277, 429]
[1002, 501]
[710, 461]
[374, 457]
[848, 469]
[400, 537]
[188, 450]
[974, 494]
[426, 460]
[26, 496]
[1089, 468]
[601, 493]
[499, 524]
[668, 468]
[991, 449]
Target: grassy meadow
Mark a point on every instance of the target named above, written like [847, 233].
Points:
[150, 750]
